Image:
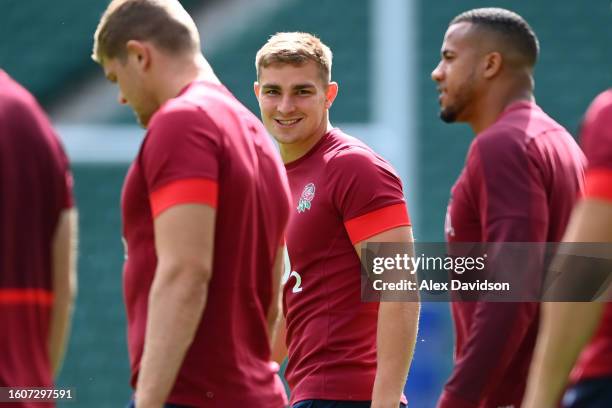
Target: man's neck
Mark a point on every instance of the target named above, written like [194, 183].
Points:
[490, 108]
[180, 73]
[293, 151]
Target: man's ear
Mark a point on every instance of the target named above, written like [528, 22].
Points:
[492, 64]
[256, 88]
[140, 52]
[330, 95]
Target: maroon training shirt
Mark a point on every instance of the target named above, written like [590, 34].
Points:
[521, 179]
[205, 147]
[342, 194]
[35, 186]
[596, 139]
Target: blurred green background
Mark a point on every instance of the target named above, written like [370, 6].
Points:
[46, 46]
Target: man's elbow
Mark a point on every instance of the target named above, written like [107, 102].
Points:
[411, 310]
[193, 275]
[402, 312]
[274, 314]
[405, 306]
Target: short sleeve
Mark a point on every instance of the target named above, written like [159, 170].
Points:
[596, 139]
[180, 158]
[367, 193]
[182, 143]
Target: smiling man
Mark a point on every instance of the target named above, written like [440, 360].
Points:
[342, 352]
[523, 174]
[205, 205]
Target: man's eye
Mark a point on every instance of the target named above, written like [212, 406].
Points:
[304, 92]
[271, 92]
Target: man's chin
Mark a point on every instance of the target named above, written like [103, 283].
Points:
[283, 137]
[143, 120]
[448, 116]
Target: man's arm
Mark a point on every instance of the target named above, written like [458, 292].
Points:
[279, 347]
[504, 187]
[64, 250]
[567, 327]
[184, 242]
[396, 333]
[496, 330]
[274, 313]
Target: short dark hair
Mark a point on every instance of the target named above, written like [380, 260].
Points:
[516, 32]
[164, 22]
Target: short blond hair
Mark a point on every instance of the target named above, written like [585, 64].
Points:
[163, 22]
[295, 48]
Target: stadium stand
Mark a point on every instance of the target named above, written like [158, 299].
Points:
[46, 45]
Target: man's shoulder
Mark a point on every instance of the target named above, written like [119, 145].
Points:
[596, 136]
[179, 113]
[600, 110]
[15, 100]
[348, 158]
[204, 104]
[498, 145]
[21, 116]
[602, 102]
[345, 150]
[501, 132]
[516, 129]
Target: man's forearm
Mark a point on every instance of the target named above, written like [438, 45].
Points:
[64, 250]
[60, 328]
[566, 328]
[273, 322]
[176, 304]
[496, 332]
[279, 346]
[396, 338]
[274, 311]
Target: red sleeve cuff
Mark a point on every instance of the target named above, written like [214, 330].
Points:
[184, 191]
[450, 400]
[367, 225]
[41, 297]
[599, 184]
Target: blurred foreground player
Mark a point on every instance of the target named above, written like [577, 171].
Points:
[567, 327]
[37, 243]
[205, 205]
[342, 352]
[522, 175]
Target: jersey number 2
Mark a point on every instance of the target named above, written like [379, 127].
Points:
[297, 288]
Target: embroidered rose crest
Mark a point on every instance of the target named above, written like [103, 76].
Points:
[307, 196]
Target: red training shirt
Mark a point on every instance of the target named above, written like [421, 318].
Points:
[35, 187]
[596, 139]
[342, 193]
[520, 182]
[205, 147]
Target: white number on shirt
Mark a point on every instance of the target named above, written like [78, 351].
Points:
[297, 288]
